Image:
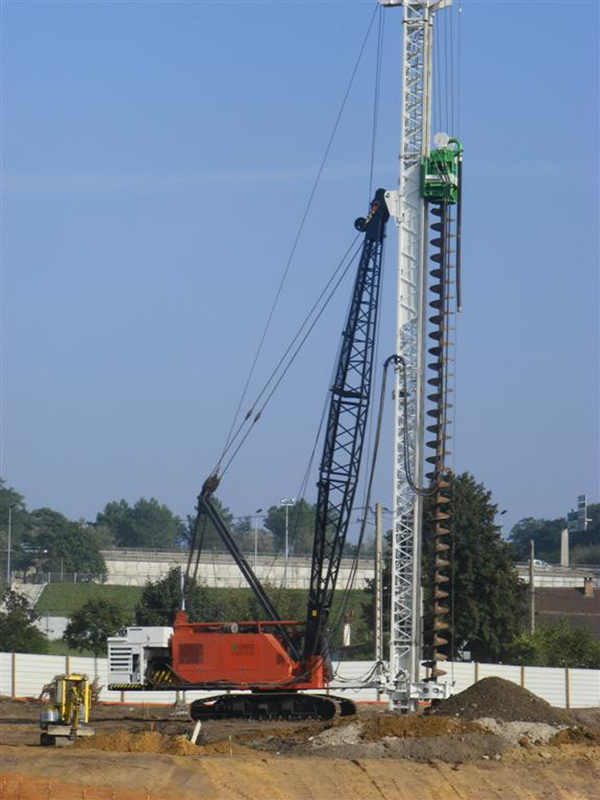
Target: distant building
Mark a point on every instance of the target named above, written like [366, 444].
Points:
[580, 606]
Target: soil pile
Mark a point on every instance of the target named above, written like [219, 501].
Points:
[139, 742]
[416, 726]
[503, 700]
[577, 735]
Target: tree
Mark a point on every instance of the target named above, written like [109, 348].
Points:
[18, 634]
[584, 546]
[486, 595]
[545, 534]
[558, 645]
[93, 623]
[301, 526]
[211, 539]
[12, 506]
[161, 600]
[67, 546]
[245, 529]
[147, 524]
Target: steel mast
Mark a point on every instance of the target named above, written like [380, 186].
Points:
[409, 209]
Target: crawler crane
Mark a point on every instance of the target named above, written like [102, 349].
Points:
[277, 662]
[269, 667]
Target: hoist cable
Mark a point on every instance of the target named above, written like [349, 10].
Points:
[291, 360]
[459, 69]
[285, 354]
[447, 88]
[298, 235]
[376, 94]
[452, 82]
[438, 124]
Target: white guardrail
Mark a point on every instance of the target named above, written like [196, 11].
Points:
[24, 675]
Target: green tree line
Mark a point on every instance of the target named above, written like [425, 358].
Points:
[45, 541]
[584, 546]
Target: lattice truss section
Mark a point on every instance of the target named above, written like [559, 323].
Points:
[405, 633]
[347, 420]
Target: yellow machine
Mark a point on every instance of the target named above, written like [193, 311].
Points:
[67, 716]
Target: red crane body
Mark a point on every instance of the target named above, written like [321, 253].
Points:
[242, 655]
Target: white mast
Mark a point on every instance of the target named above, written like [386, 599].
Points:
[408, 207]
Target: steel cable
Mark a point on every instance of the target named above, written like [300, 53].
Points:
[298, 236]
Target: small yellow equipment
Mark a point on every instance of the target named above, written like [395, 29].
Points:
[67, 716]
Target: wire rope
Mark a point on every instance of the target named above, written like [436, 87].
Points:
[452, 81]
[287, 366]
[459, 71]
[437, 81]
[298, 235]
[377, 92]
[286, 352]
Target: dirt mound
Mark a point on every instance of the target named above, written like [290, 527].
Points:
[417, 726]
[224, 748]
[500, 699]
[577, 735]
[587, 717]
[139, 742]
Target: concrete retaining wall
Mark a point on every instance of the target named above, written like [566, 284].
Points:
[130, 568]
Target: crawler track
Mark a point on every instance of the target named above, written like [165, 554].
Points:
[270, 706]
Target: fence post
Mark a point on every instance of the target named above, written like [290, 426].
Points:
[476, 671]
[13, 675]
[522, 677]
[67, 665]
[568, 687]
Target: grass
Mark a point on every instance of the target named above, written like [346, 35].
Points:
[56, 647]
[62, 599]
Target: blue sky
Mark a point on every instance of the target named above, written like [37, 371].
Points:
[157, 159]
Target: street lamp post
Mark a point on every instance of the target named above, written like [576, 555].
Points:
[287, 503]
[8, 565]
[502, 513]
[258, 511]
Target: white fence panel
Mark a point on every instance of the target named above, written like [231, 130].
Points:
[548, 683]
[33, 671]
[584, 688]
[349, 673]
[509, 673]
[460, 675]
[6, 674]
[92, 667]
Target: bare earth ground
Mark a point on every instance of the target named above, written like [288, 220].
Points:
[143, 753]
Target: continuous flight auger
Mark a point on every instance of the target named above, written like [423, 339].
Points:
[441, 190]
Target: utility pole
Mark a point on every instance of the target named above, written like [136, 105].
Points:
[531, 587]
[9, 548]
[258, 511]
[287, 503]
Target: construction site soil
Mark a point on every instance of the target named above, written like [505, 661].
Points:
[495, 740]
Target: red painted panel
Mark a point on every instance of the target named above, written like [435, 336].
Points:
[242, 655]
